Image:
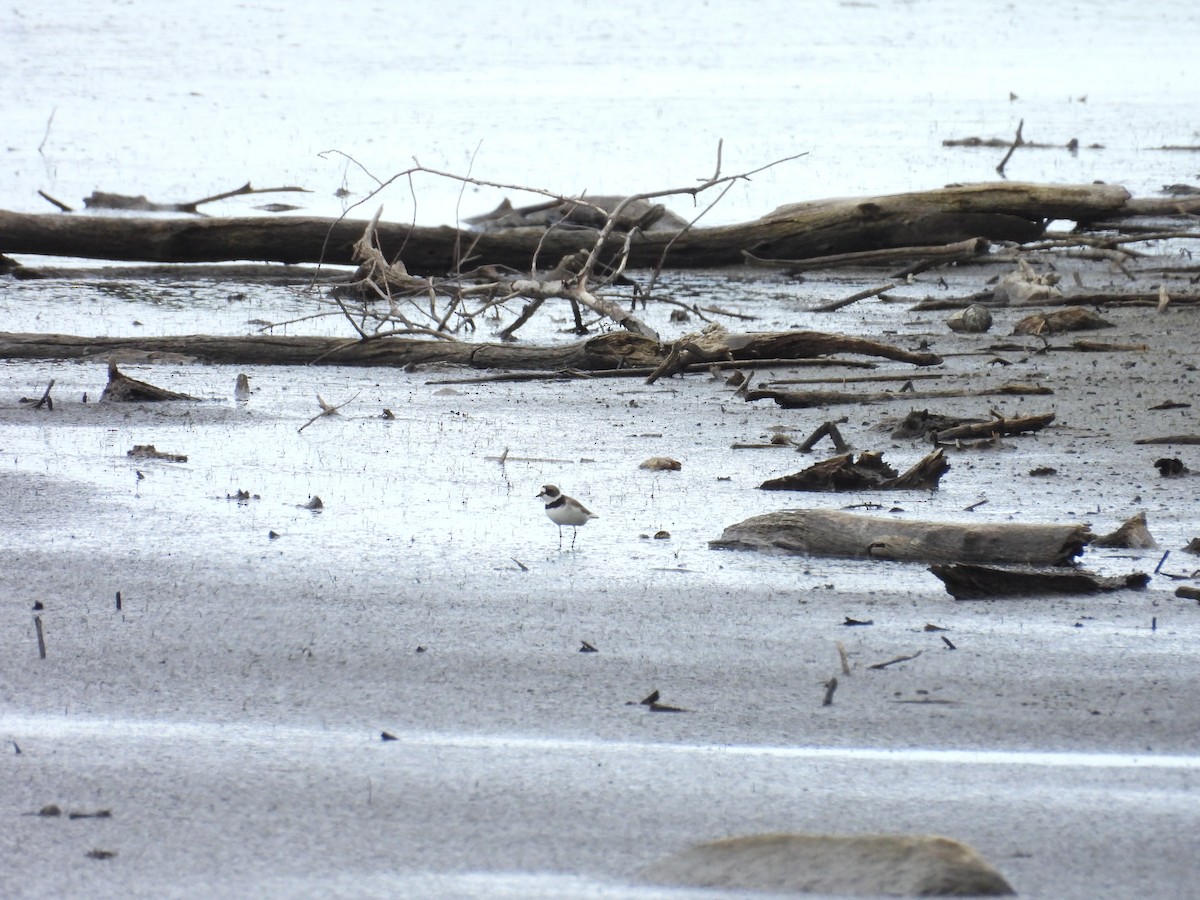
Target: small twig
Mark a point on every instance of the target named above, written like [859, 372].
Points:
[843, 656]
[46, 136]
[37, 624]
[46, 401]
[830, 687]
[62, 206]
[833, 305]
[326, 410]
[898, 659]
[1017, 141]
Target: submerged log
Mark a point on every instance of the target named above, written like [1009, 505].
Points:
[820, 532]
[995, 426]
[1002, 211]
[868, 472]
[974, 582]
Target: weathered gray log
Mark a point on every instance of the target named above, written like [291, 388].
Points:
[995, 211]
[974, 582]
[824, 532]
[895, 865]
[615, 350]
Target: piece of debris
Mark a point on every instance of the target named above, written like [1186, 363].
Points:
[1043, 471]
[898, 659]
[1074, 318]
[868, 472]
[965, 581]
[852, 622]
[1170, 467]
[1025, 287]
[893, 865]
[975, 319]
[921, 424]
[1133, 534]
[100, 854]
[387, 736]
[949, 644]
[50, 810]
[587, 648]
[931, 627]
[123, 389]
[827, 429]
[98, 814]
[314, 503]
[995, 426]
[661, 464]
[148, 451]
[830, 687]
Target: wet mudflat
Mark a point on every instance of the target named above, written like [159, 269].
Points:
[229, 715]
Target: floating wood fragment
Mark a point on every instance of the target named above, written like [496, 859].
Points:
[921, 424]
[898, 659]
[965, 581]
[867, 472]
[1188, 593]
[123, 389]
[827, 429]
[823, 532]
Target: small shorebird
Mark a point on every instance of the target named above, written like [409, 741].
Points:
[564, 510]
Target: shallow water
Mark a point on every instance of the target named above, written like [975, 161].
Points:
[187, 102]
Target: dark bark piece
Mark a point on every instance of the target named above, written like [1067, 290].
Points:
[818, 532]
[868, 472]
[996, 211]
[123, 389]
[976, 582]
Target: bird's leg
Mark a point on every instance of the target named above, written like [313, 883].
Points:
[574, 534]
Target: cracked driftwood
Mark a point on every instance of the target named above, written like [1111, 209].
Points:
[615, 350]
[123, 389]
[821, 532]
[999, 211]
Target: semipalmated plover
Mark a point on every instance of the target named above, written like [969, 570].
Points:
[564, 510]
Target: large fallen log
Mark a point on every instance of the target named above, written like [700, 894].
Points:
[824, 532]
[615, 350]
[1002, 211]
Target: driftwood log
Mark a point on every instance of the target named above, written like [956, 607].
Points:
[823, 532]
[615, 350]
[867, 472]
[123, 389]
[1001, 211]
[974, 582]
[810, 399]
